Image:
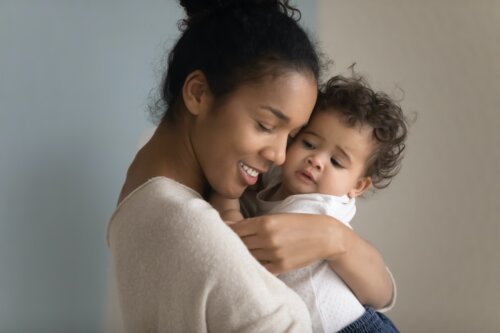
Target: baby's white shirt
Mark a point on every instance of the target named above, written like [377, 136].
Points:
[331, 304]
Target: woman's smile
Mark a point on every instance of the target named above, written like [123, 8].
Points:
[250, 175]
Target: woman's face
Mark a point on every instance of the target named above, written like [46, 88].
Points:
[242, 137]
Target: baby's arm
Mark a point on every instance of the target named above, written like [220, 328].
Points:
[229, 209]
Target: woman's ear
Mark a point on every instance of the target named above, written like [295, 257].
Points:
[363, 184]
[196, 93]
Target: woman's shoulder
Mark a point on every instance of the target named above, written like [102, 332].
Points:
[172, 213]
[176, 222]
[158, 203]
[155, 193]
[157, 187]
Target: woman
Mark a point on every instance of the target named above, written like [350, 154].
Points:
[241, 79]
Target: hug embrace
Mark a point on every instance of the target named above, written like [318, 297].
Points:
[234, 216]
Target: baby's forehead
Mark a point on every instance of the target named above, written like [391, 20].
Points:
[318, 118]
[328, 124]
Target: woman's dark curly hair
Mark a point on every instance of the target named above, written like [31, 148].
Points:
[359, 105]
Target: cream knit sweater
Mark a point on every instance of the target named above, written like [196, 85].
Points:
[179, 268]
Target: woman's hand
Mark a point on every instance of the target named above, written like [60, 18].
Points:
[283, 242]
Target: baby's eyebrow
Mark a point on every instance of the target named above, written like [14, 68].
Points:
[339, 148]
[313, 133]
[343, 152]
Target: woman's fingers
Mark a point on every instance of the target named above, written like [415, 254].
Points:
[262, 240]
[264, 256]
[245, 228]
[283, 242]
[253, 242]
[271, 267]
[230, 223]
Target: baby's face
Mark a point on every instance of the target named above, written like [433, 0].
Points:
[328, 157]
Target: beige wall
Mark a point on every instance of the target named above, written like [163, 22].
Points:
[438, 225]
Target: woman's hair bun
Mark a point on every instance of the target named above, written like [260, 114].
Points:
[194, 8]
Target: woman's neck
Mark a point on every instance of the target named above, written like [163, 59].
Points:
[168, 153]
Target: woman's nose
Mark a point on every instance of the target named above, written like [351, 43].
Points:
[276, 151]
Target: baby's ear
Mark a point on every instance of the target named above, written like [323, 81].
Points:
[362, 185]
[196, 92]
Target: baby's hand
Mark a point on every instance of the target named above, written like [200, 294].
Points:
[229, 209]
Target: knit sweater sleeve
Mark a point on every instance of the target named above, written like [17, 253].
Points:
[179, 268]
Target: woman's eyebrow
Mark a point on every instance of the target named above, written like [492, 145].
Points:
[277, 113]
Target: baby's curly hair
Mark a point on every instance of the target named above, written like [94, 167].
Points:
[359, 105]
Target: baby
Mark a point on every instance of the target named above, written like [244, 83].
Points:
[354, 141]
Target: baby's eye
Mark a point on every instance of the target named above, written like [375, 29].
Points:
[336, 163]
[308, 145]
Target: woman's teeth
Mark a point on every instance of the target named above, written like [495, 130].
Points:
[251, 172]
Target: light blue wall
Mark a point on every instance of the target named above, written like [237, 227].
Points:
[74, 83]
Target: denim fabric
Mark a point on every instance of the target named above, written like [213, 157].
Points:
[371, 322]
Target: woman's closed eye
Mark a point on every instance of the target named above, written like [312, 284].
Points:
[264, 128]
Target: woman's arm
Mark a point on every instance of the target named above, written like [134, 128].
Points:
[289, 241]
